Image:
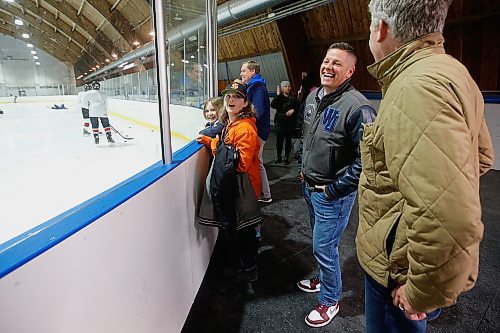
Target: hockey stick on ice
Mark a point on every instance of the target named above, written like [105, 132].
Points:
[123, 137]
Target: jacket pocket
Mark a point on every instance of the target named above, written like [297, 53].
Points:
[368, 153]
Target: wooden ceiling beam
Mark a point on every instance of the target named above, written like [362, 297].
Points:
[101, 41]
[347, 39]
[116, 19]
[472, 18]
[47, 47]
[42, 19]
[36, 26]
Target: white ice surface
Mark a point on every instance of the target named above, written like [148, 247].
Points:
[47, 166]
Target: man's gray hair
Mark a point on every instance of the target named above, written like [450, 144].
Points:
[410, 19]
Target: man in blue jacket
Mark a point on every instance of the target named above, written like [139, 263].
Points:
[334, 115]
[257, 95]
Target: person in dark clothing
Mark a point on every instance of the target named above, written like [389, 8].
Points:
[59, 107]
[259, 97]
[309, 82]
[285, 119]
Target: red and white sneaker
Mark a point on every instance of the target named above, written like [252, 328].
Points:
[322, 315]
[310, 285]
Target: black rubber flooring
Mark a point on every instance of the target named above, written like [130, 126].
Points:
[285, 257]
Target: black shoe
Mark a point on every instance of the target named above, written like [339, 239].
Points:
[85, 132]
[249, 290]
[278, 160]
[110, 139]
[247, 275]
[96, 139]
[286, 161]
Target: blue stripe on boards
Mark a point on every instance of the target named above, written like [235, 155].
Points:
[21, 249]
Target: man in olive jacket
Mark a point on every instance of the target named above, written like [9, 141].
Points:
[419, 206]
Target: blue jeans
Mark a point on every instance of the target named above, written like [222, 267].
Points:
[329, 218]
[382, 316]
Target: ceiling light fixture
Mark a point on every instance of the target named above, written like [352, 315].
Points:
[114, 55]
[136, 43]
[25, 36]
[33, 52]
[18, 22]
[37, 63]
[128, 66]
[107, 60]
[177, 17]
[29, 45]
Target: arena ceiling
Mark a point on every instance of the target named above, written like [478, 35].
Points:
[86, 33]
[90, 34]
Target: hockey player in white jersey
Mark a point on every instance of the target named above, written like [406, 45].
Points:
[83, 100]
[98, 109]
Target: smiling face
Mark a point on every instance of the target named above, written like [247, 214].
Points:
[210, 112]
[338, 66]
[234, 103]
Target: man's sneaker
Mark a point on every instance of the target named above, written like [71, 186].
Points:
[85, 132]
[322, 315]
[309, 286]
[266, 200]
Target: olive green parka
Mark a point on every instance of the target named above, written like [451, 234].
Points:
[419, 206]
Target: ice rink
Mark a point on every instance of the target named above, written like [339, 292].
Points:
[48, 166]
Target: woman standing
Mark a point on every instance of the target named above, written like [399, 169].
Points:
[285, 119]
[240, 132]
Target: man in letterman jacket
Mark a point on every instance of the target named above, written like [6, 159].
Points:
[331, 165]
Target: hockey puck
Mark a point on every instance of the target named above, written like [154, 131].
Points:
[125, 141]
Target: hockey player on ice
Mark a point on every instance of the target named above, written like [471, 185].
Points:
[98, 109]
[83, 100]
[59, 107]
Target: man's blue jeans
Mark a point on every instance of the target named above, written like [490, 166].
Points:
[329, 218]
[382, 316]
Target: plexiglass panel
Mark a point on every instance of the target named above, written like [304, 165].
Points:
[187, 65]
[51, 160]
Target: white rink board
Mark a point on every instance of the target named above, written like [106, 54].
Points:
[136, 269]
